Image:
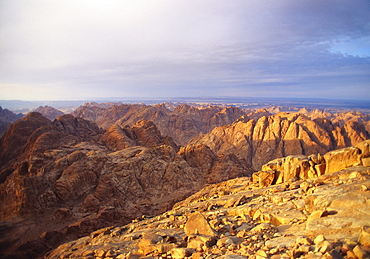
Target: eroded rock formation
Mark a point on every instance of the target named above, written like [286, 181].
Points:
[61, 180]
[279, 135]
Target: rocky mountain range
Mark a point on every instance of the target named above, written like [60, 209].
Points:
[63, 179]
[300, 216]
[49, 112]
[282, 134]
[6, 119]
[181, 123]
[106, 165]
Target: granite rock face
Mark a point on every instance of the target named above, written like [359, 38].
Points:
[61, 180]
[280, 135]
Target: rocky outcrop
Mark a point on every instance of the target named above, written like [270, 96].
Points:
[306, 167]
[279, 135]
[61, 180]
[322, 217]
[49, 112]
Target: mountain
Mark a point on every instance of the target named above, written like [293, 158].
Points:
[261, 140]
[184, 122]
[181, 123]
[6, 119]
[49, 112]
[61, 180]
[303, 216]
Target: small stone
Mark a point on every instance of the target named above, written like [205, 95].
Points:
[319, 239]
[100, 253]
[305, 186]
[364, 238]
[360, 253]
[364, 188]
[260, 227]
[226, 241]
[304, 248]
[303, 241]
[351, 255]
[324, 246]
[261, 254]
[274, 251]
[242, 233]
[197, 255]
[178, 253]
[317, 214]
[111, 253]
[200, 241]
[147, 242]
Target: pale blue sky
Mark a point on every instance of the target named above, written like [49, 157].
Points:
[79, 49]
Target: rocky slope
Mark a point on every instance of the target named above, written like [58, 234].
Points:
[6, 119]
[261, 140]
[49, 112]
[61, 180]
[301, 216]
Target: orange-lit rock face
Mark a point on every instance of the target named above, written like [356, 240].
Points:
[281, 135]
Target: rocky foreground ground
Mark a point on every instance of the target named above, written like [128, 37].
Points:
[296, 215]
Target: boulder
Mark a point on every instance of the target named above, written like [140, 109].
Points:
[198, 225]
[342, 158]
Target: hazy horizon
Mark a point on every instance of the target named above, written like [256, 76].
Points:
[250, 102]
[73, 50]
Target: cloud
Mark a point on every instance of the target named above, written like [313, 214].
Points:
[186, 47]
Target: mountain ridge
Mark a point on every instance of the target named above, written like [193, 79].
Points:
[69, 174]
[65, 178]
[270, 137]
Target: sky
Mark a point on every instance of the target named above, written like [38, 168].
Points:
[85, 49]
